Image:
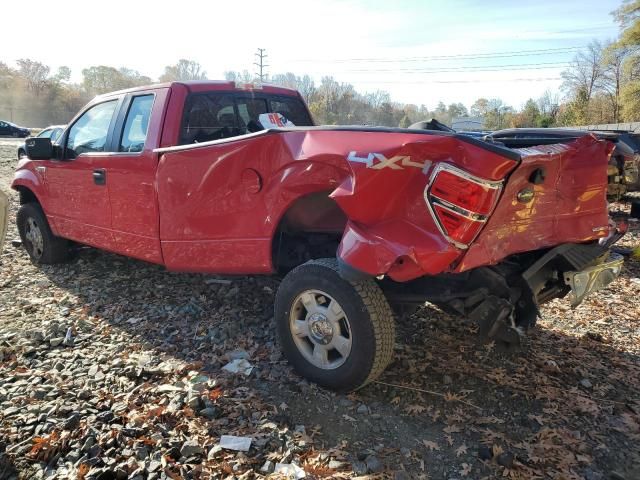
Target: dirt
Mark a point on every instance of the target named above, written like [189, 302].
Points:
[566, 405]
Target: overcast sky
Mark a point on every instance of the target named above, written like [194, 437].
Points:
[420, 51]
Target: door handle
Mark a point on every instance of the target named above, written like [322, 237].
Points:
[100, 176]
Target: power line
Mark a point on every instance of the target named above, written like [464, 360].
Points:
[468, 68]
[260, 64]
[497, 80]
[462, 56]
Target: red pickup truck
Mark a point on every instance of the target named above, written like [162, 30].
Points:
[359, 220]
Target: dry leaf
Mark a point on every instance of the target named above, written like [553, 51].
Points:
[431, 445]
[461, 450]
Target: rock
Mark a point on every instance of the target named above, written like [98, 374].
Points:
[211, 412]
[484, 453]
[105, 417]
[362, 409]
[336, 465]
[191, 448]
[55, 342]
[359, 468]
[88, 443]
[238, 354]
[586, 383]
[447, 380]
[505, 459]
[268, 467]
[142, 453]
[373, 464]
[401, 475]
[154, 466]
[590, 474]
[213, 453]
[72, 422]
[616, 476]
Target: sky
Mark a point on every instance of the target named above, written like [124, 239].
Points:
[420, 51]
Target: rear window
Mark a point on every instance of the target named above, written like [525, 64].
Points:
[215, 116]
[292, 109]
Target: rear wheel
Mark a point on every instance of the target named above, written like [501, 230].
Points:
[335, 333]
[22, 154]
[41, 244]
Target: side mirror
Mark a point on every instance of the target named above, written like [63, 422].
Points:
[39, 148]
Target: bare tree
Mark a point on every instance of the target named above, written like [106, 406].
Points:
[35, 74]
[614, 75]
[585, 72]
[183, 70]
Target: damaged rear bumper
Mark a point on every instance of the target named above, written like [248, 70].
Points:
[591, 279]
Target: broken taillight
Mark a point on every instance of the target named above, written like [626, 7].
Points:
[460, 202]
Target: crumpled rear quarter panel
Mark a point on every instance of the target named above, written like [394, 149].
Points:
[569, 206]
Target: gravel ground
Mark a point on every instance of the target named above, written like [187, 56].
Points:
[111, 368]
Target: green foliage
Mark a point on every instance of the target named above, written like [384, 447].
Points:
[631, 101]
[628, 16]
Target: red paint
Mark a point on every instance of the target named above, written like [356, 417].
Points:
[215, 207]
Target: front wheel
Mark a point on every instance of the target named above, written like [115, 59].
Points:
[335, 333]
[41, 244]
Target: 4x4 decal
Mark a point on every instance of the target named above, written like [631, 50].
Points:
[395, 163]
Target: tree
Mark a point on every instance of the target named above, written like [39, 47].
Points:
[183, 70]
[614, 63]
[480, 107]
[498, 114]
[102, 79]
[585, 72]
[34, 73]
[628, 16]
[63, 74]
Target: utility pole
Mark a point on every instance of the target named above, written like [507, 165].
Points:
[261, 55]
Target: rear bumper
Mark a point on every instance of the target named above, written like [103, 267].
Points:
[591, 279]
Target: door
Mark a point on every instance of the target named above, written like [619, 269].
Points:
[77, 184]
[131, 174]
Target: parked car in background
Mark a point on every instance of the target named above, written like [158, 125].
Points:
[218, 178]
[8, 129]
[53, 132]
[623, 170]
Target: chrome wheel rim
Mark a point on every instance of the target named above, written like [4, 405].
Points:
[33, 235]
[320, 329]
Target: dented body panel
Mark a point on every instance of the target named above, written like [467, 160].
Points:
[230, 205]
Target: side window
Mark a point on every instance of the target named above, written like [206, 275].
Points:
[45, 133]
[249, 110]
[136, 124]
[89, 133]
[293, 110]
[56, 134]
[208, 117]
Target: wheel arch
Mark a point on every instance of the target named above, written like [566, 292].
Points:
[311, 226]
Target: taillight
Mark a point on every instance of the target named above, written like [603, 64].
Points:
[460, 202]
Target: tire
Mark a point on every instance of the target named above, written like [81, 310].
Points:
[363, 328]
[40, 243]
[22, 154]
